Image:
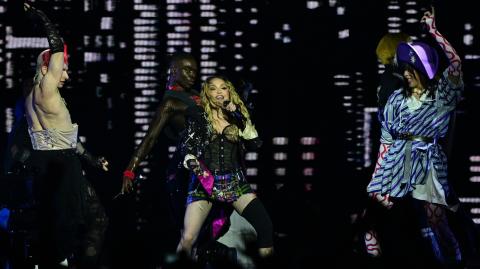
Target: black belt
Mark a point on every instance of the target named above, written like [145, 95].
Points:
[408, 151]
[411, 137]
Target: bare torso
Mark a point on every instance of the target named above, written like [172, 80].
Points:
[51, 113]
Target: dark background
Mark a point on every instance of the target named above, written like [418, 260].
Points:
[300, 60]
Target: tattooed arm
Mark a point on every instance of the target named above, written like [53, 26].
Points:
[455, 67]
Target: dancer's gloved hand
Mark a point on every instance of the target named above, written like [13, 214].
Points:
[54, 40]
[31, 11]
[95, 161]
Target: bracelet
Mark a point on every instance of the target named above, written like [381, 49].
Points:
[129, 174]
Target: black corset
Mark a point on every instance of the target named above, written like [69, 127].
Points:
[222, 154]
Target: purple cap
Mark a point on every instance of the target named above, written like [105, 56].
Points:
[420, 55]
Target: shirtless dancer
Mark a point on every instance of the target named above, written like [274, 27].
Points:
[60, 190]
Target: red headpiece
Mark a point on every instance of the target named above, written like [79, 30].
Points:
[46, 56]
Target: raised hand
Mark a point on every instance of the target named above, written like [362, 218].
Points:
[429, 20]
[455, 67]
[53, 36]
[33, 11]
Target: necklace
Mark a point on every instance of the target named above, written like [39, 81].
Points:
[417, 92]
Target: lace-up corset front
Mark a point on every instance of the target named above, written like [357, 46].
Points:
[222, 154]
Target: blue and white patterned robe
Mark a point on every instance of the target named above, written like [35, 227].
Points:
[399, 174]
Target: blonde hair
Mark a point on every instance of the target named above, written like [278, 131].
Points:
[387, 46]
[234, 97]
